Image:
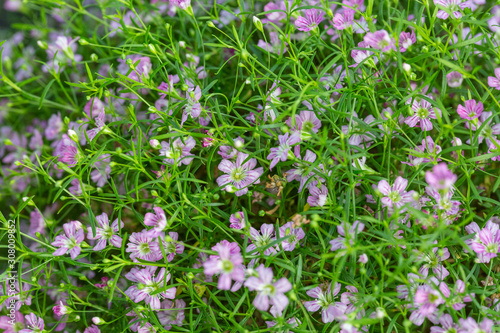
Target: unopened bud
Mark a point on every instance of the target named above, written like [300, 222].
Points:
[155, 143]
[258, 24]
[42, 44]
[98, 321]
[407, 68]
[72, 135]
[94, 57]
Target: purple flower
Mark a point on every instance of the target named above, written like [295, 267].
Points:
[267, 291]
[347, 234]
[441, 178]
[105, 232]
[447, 325]
[147, 286]
[360, 55]
[312, 19]
[262, 240]
[142, 246]
[379, 40]
[487, 241]
[344, 20]
[178, 152]
[306, 122]
[302, 172]
[34, 324]
[54, 127]
[433, 260]
[451, 7]
[484, 128]
[237, 220]
[158, 220]
[228, 152]
[428, 149]
[318, 196]
[171, 245]
[281, 152]
[427, 298]
[457, 301]
[71, 242]
[67, 150]
[494, 82]
[228, 262]
[422, 113]
[193, 106]
[395, 196]
[325, 301]
[92, 329]
[13, 323]
[61, 309]
[469, 325]
[168, 87]
[240, 173]
[356, 130]
[455, 79]
[102, 170]
[472, 110]
[293, 235]
[406, 39]
[275, 46]
[171, 313]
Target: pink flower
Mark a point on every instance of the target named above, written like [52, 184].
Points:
[312, 19]
[395, 196]
[34, 324]
[240, 173]
[318, 196]
[193, 106]
[171, 245]
[441, 178]
[237, 220]
[494, 82]
[422, 113]
[105, 232]
[267, 291]
[92, 329]
[433, 260]
[178, 152]
[71, 242]
[142, 246]
[61, 309]
[348, 234]
[171, 313]
[262, 239]
[292, 234]
[447, 325]
[275, 44]
[455, 79]
[344, 20]
[228, 262]
[487, 241]
[281, 152]
[472, 110]
[158, 220]
[406, 39]
[451, 7]
[325, 301]
[379, 40]
[470, 325]
[148, 283]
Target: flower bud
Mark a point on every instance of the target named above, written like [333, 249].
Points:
[42, 44]
[83, 41]
[72, 135]
[94, 57]
[258, 24]
[407, 68]
[155, 143]
[211, 24]
[98, 321]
